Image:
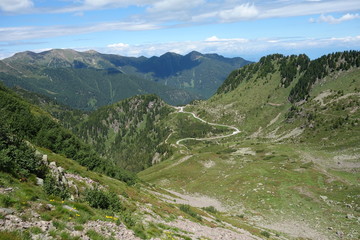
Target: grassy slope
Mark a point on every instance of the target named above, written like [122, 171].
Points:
[141, 211]
[278, 183]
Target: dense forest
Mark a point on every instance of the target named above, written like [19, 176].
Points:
[291, 67]
[321, 68]
[25, 122]
[128, 132]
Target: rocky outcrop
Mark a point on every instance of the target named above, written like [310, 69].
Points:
[59, 175]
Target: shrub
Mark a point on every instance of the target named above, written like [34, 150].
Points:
[210, 209]
[54, 188]
[265, 234]
[16, 157]
[7, 201]
[100, 199]
[186, 209]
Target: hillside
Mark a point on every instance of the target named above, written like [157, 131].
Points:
[88, 89]
[44, 194]
[88, 80]
[129, 132]
[274, 154]
[294, 168]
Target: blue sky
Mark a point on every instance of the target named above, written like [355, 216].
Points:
[248, 29]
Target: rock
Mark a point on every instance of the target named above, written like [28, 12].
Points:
[13, 218]
[43, 225]
[2, 222]
[6, 211]
[76, 233]
[340, 234]
[350, 216]
[8, 189]
[52, 165]
[45, 159]
[25, 225]
[330, 228]
[49, 207]
[70, 208]
[39, 181]
[35, 214]
[324, 198]
[60, 169]
[348, 205]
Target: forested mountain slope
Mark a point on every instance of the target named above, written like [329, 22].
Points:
[29, 122]
[129, 132]
[88, 80]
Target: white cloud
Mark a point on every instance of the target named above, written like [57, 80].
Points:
[119, 46]
[236, 46]
[23, 33]
[231, 11]
[216, 39]
[15, 5]
[308, 8]
[174, 5]
[113, 3]
[244, 11]
[332, 20]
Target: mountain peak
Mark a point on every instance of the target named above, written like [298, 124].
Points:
[194, 55]
[26, 54]
[91, 51]
[170, 54]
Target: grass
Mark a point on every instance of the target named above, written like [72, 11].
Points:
[15, 235]
[27, 195]
[274, 180]
[255, 177]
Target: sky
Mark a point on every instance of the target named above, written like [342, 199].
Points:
[232, 28]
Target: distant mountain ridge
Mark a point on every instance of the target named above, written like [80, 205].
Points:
[88, 80]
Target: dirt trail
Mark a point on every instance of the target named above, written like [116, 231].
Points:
[236, 130]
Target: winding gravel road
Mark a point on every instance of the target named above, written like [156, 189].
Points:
[236, 130]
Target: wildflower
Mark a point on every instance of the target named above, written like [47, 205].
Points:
[62, 201]
[70, 217]
[78, 215]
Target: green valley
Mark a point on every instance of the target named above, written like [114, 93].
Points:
[294, 168]
[273, 154]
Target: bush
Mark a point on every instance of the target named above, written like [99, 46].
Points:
[54, 188]
[16, 157]
[100, 199]
[186, 209]
[265, 234]
[7, 201]
[210, 209]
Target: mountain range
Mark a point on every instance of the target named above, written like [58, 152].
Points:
[273, 154]
[88, 80]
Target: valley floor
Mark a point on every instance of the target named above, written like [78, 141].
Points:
[282, 189]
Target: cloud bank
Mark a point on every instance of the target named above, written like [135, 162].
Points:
[233, 47]
[332, 20]
[14, 6]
